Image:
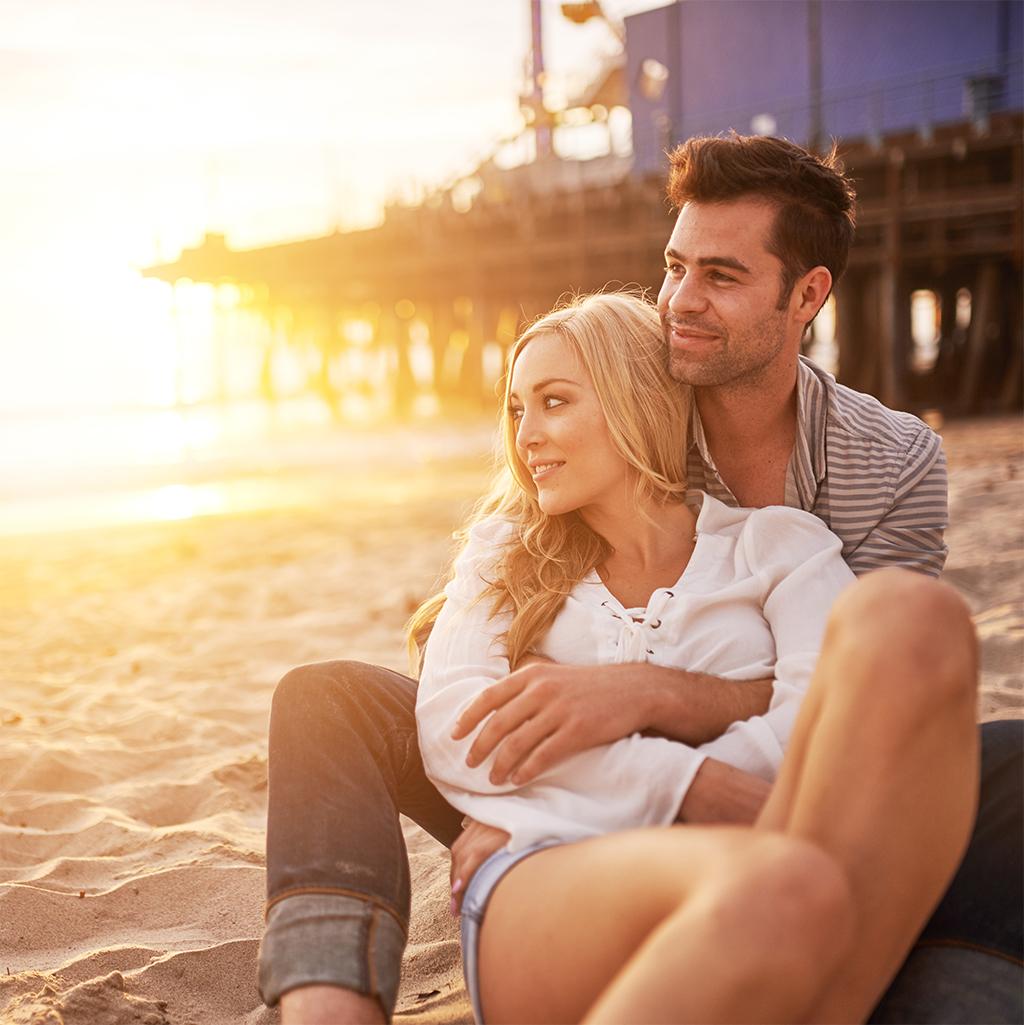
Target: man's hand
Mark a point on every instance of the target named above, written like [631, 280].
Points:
[545, 712]
[474, 846]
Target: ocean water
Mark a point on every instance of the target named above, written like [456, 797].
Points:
[73, 470]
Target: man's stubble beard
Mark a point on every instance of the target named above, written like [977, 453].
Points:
[730, 364]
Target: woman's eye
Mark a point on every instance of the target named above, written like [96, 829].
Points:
[551, 401]
[515, 413]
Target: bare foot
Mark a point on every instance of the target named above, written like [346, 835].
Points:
[329, 1005]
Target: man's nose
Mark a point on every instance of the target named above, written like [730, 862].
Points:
[685, 294]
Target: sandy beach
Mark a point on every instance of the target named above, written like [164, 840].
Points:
[138, 669]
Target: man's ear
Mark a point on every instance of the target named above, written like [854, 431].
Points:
[810, 293]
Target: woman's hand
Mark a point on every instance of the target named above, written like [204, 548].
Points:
[474, 846]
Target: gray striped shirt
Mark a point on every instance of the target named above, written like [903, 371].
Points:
[876, 477]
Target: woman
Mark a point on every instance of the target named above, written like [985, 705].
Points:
[590, 550]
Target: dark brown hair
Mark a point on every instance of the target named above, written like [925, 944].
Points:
[815, 200]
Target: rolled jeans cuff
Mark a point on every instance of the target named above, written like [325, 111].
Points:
[333, 940]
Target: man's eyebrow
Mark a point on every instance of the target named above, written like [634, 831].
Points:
[712, 261]
[540, 385]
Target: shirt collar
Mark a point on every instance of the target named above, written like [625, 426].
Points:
[816, 389]
[807, 465]
[806, 468]
[698, 439]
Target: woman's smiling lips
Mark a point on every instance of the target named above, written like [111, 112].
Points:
[541, 470]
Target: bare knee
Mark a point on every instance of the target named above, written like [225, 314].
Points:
[907, 634]
[816, 889]
[790, 890]
[765, 886]
[787, 908]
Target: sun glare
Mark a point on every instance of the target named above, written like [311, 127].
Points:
[182, 502]
[136, 137]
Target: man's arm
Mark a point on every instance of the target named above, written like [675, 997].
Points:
[538, 716]
[545, 712]
[721, 793]
[910, 534]
[696, 707]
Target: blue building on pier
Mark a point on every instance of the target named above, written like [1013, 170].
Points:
[814, 69]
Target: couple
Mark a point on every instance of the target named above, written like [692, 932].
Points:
[632, 623]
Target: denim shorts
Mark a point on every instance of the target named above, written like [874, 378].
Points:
[474, 904]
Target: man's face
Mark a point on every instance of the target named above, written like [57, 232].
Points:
[719, 300]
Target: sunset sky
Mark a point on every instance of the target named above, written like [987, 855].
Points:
[130, 127]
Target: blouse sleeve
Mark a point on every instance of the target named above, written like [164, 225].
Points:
[802, 571]
[636, 781]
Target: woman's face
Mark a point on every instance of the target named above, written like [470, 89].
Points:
[561, 432]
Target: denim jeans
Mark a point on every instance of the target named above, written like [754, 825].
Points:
[344, 762]
[968, 964]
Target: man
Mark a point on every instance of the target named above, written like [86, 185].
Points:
[763, 233]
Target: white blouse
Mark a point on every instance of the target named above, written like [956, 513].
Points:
[752, 603]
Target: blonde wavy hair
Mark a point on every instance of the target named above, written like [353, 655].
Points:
[618, 339]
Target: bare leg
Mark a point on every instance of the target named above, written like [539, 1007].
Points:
[882, 768]
[689, 922]
[329, 1005]
[755, 944]
[877, 795]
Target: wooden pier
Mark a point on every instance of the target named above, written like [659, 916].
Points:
[942, 213]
